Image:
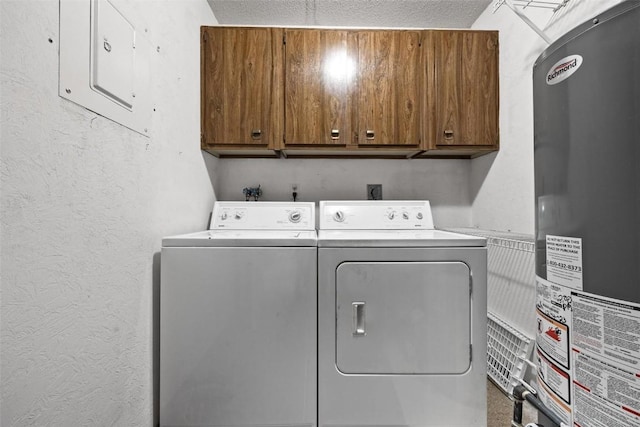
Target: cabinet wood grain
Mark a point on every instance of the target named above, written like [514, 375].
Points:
[241, 84]
[320, 67]
[389, 88]
[466, 86]
[291, 92]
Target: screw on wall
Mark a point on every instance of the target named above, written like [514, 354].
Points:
[374, 191]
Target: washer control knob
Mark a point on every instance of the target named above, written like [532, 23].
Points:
[239, 215]
[223, 216]
[338, 216]
[419, 215]
[295, 216]
[391, 215]
[405, 215]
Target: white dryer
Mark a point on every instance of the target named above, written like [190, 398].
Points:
[401, 318]
[238, 319]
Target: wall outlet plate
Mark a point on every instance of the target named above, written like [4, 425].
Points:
[374, 191]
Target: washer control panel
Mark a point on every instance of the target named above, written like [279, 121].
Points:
[263, 216]
[375, 215]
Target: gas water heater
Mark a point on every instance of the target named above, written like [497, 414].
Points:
[587, 188]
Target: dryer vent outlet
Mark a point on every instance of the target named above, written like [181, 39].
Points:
[374, 191]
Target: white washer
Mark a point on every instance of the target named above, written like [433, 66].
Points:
[238, 319]
[401, 318]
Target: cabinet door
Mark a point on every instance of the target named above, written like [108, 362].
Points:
[241, 78]
[320, 69]
[466, 84]
[391, 79]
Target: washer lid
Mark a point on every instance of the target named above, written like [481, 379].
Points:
[243, 238]
[396, 238]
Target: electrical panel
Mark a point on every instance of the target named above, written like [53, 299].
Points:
[112, 54]
[104, 62]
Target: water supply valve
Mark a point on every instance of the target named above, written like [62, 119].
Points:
[252, 192]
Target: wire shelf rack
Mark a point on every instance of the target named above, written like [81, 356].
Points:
[519, 6]
[507, 351]
[554, 5]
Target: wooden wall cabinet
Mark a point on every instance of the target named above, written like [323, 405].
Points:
[325, 92]
[241, 90]
[353, 92]
[320, 88]
[465, 93]
[391, 80]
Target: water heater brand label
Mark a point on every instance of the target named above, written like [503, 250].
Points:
[563, 69]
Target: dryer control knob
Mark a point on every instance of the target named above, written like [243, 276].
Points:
[391, 215]
[239, 214]
[405, 215]
[295, 216]
[419, 215]
[223, 216]
[338, 216]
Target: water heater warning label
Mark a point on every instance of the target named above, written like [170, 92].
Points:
[554, 317]
[564, 261]
[605, 361]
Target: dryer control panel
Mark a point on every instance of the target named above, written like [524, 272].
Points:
[376, 215]
[263, 216]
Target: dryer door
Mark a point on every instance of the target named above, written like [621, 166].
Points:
[403, 318]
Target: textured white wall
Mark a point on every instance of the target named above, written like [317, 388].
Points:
[84, 205]
[502, 185]
[443, 182]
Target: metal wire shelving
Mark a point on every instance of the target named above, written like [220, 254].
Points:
[519, 6]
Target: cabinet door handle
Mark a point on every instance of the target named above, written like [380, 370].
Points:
[256, 134]
[335, 134]
[371, 134]
[358, 319]
[448, 134]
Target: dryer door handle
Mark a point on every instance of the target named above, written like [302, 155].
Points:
[359, 319]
